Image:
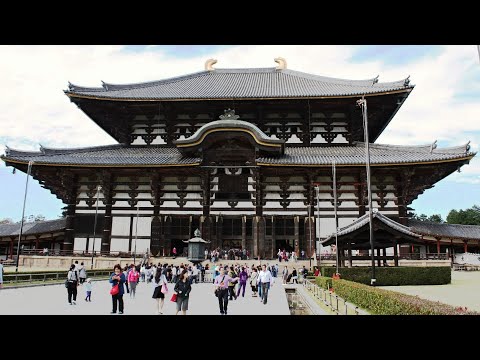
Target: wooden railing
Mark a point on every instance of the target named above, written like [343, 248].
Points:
[425, 256]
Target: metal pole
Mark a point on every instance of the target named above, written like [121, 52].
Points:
[335, 209]
[30, 163]
[95, 225]
[363, 103]
[310, 231]
[135, 246]
[478, 48]
[317, 188]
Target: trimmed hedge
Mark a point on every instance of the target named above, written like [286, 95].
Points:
[386, 302]
[394, 276]
[324, 282]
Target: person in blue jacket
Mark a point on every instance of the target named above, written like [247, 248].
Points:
[117, 277]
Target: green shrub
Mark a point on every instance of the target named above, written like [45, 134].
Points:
[324, 282]
[386, 302]
[394, 276]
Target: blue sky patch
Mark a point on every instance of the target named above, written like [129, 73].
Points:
[394, 54]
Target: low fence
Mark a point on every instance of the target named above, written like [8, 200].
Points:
[336, 304]
[43, 277]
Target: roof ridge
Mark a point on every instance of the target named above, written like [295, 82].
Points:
[112, 87]
[50, 151]
[442, 224]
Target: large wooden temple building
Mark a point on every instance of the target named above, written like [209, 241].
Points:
[236, 153]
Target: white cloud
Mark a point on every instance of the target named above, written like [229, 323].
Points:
[35, 110]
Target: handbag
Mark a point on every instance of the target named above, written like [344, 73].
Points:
[164, 289]
[219, 289]
[66, 284]
[114, 290]
[174, 298]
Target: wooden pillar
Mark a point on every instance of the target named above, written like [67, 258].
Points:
[156, 239]
[384, 252]
[274, 240]
[261, 238]
[244, 232]
[350, 254]
[206, 192]
[11, 250]
[255, 252]
[412, 249]
[69, 181]
[395, 252]
[37, 240]
[107, 223]
[206, 230]
[167, 240]
[309, 230]
[378, 257]
[438, 246]
[465, 246]
[296, 234]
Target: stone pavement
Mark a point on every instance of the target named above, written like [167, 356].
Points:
[52, 300]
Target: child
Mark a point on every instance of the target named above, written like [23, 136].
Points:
[88, 289]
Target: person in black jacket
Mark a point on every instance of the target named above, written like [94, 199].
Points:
[182, 288]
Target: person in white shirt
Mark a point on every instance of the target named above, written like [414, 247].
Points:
[266, 279]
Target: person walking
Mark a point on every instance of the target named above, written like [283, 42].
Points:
[221, 290]
[182, 289]
[294, 276]
[125, 272]
[243, 282]
[88, 290]
[82, 273]
[117, 278]
[174, 251]
[160, 289]
[133, 276]
[1, 273]
[231, 285]
[265, 277]
[253, 281]
[72, 283]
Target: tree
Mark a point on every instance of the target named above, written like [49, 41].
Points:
[436, 218]
[39, 217]
[6, 221]
[422, 217]
[469, 216]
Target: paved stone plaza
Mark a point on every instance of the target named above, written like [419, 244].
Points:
[52, 300]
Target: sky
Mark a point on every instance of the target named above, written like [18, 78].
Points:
[444, 105]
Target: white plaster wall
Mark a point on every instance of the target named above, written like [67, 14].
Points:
[79, 244]
[120, 226]
[144, 226]
[119, 244]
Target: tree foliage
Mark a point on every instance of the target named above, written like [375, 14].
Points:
[6, 221]
[434, 218]
[469, 216]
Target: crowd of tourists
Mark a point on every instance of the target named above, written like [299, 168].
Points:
[230, 281]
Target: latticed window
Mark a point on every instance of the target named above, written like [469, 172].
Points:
[232, 187]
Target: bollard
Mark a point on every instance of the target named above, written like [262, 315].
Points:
[346, 309]
[336, 296]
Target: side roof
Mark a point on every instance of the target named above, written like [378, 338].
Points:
[454, 231]
[124, 155]
[249, 83]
